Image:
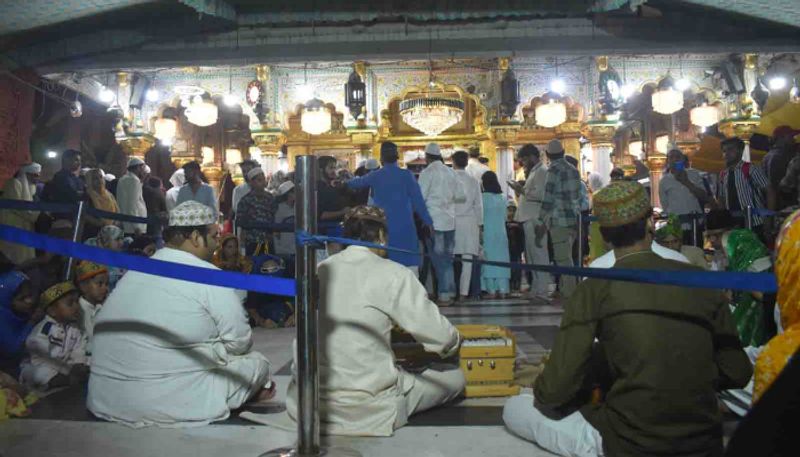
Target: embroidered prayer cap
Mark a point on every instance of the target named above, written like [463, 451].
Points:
[370, 213]
[55, 292]
[433, 150]
[372, 164]
[285, 187]
[620, 203]
[192, 214]
[134, 161]
[255, 172]
[88, 270]
[32, 168]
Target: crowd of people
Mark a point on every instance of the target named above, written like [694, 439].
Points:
[161, 351]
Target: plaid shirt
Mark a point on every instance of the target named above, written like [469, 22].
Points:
[562, 195]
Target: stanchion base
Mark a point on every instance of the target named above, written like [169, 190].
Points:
[323, 452]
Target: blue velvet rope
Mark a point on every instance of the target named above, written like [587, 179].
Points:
[762, 282]
[255, 283]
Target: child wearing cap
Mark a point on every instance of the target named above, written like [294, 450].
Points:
[92, 282]
[56, 346]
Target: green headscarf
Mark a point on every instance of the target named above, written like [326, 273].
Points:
[743, 249]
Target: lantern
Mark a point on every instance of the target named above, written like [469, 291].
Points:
[355, 94]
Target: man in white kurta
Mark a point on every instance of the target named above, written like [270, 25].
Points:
[362, 391]
[129, 195]
[174, 353]
[469, 219]
[474, 167]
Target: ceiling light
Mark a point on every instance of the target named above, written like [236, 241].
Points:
[106, 95]
[777, 83]
[551, 114]
[432, 115]
[304, 92]
[52, 154]
[558, 86]
[165, 129]
[152, 95]
[683, 84]
[315, 118]
[667, 100]
[627, 90]
[230, 100]
[202, 113]
[704, 115]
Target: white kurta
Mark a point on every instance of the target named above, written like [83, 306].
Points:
[131, 202]
[172, 353]
[608, 259]
[441, 190]
[86, 322]
[469, 216]
[362, 392]
[476, 169]
[53, 348]
[530, 200]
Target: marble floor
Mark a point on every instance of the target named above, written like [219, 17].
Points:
[470, 428]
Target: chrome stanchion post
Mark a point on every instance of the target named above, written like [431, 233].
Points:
[749, 217]
[307, 312]
[694, 230]
[77, 232]
[580, 241]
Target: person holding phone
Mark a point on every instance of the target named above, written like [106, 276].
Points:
[682, 193]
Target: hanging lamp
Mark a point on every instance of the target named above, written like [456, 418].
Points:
[667, 100]
[315, 118]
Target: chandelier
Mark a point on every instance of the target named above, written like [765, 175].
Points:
[432, 115]
[202, 112]
[551, 113]
[315, 118]
[667, 100]
[704, 115]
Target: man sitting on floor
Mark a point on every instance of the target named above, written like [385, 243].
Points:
[175, 353]
[662, 352]
[362, 296]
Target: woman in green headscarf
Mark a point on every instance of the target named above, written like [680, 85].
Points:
[747, 254]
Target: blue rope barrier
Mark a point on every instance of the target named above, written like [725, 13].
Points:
[762, 282]
[22, 205]
[256, 283]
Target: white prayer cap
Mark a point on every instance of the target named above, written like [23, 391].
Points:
[109, 177]
[433, 149]
[147, 169]
[362, 163]
[133, 161]
[192, 214]
[285, 187]
[372, 164]
[32, 168]
[555, 147]
[178, 178]
[254, 172]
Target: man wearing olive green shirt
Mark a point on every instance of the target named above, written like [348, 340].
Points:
[659, 354]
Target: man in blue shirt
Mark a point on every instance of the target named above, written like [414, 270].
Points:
[396, 191]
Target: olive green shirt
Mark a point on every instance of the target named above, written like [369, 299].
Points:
[666, 351]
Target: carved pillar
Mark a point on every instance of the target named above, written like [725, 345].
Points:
[656, 163]
[601, 139]
[503, 136]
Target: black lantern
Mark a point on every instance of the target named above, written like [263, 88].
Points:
[355, 95]
[509, 94]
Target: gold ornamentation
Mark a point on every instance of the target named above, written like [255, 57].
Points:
[750, 61]
[602, 63]
[262, 73]
[741, 128]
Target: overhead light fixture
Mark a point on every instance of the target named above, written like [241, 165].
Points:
[635, 149]
[558, 86]
[106, 95]
[315, 118]
[551, 113]
[165, 130]
[777, 83]
[52, 154]
[152, 95]
[509, 93]
[662, 143]
[230, 100]
[704, 115]
[627, 90]
[683, 84]
[355, 94]
[201, 112]
[667, 100]
[431, 111]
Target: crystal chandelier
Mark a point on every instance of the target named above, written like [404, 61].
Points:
[551, 114]
[667, 100]
[704, 115]
[432, 115]
[315, 118]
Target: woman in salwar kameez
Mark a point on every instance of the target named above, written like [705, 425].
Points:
[494, 280]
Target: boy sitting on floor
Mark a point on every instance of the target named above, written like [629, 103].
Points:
[92, 281]
[56, 346]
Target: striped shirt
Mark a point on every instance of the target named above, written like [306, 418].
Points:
[751, 188]
[562, 195]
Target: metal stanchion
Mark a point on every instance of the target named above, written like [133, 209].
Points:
[307, 312]
[694, 230]
[77, 232]
[749, 217]
[580, 242]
